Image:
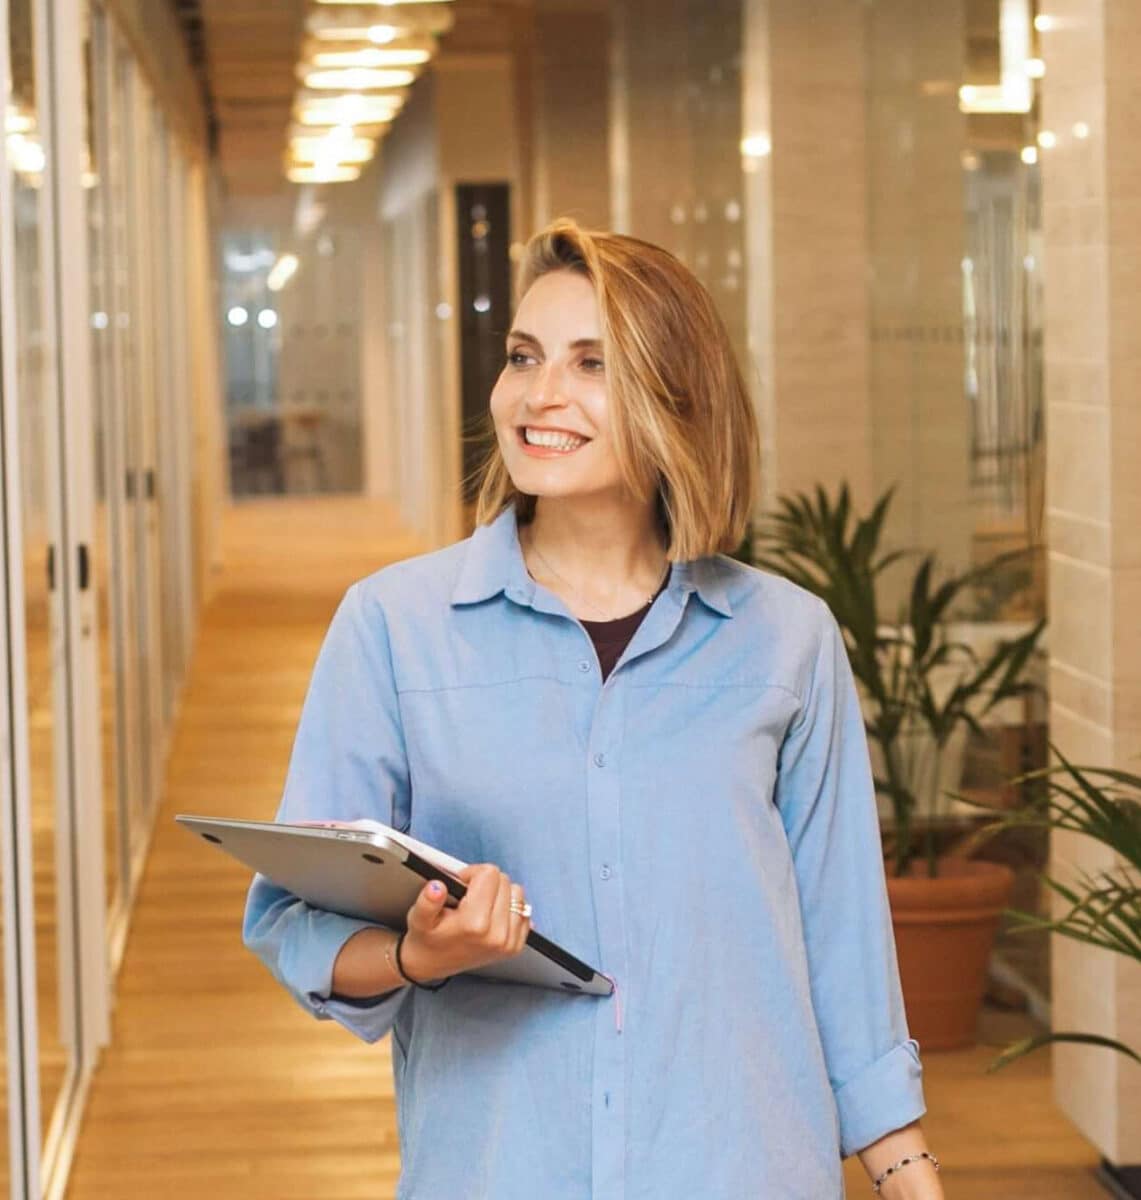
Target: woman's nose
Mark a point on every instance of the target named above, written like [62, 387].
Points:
[547, 388]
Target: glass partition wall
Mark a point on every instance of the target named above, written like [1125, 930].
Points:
[97, 586]
[858, 186]
[41, 698]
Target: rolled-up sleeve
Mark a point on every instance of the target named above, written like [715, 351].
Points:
[348, 762]
[827, 804]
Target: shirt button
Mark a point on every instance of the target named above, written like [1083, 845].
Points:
[584, 666]
[605, 872]
[600, 760]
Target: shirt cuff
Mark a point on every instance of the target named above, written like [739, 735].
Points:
[312, 976]
[369, 1024]
[884, 1096]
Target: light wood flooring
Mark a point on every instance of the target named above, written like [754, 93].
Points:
[217, 1086]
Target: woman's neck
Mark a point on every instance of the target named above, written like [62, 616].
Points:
[603, 559]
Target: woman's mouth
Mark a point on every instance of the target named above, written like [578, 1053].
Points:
[548, 443]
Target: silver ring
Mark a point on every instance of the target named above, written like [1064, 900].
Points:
[520, 910]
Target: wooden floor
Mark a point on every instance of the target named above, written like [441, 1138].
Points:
[217, 1086]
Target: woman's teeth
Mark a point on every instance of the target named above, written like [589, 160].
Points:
[552, 440]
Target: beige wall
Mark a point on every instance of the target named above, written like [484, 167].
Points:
[675, 169]
[805, 168]
[406, 416]
[157, 43]
[1092, 194]
[915, 134]
[571, 113]
[209, 481]
[855, 239]
[413, 397]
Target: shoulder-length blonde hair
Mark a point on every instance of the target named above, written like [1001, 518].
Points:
[681, 419]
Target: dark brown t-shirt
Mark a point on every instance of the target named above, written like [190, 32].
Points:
[610, 638]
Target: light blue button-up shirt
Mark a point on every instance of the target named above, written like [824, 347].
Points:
[701, 826]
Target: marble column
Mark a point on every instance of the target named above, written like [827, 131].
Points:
[851, 152]
[804, 152]
[1091, 102]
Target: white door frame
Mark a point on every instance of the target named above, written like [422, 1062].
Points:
[81, 965]
[20, 1028]
[79, 835]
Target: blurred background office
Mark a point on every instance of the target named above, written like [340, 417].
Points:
[256, 264]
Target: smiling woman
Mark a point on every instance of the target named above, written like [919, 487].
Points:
[617, 334]
[656, 749]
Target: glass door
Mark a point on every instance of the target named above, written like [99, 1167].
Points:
[141, 426]
[169, 407]
[37, 412]
[131, 370]
[9, 1055]
[102, 180]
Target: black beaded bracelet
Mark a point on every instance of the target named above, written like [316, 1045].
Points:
[903, 1163]
[426, 987]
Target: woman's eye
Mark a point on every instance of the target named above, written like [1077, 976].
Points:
[593, 364]
[516, 358]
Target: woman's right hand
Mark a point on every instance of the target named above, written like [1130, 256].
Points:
[481, 929]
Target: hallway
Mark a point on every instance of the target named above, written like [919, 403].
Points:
[216, 1086]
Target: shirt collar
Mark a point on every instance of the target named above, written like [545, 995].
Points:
[494, 564]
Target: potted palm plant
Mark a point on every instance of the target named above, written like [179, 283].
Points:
[923, 689]
[1101, 908]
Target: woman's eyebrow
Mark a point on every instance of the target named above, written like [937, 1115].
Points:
[578, 344]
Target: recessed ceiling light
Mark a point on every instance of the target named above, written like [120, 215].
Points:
[329, 149]
[380, 3]
[354, 78]
[395, 56]
[323, 174]
[348, 110]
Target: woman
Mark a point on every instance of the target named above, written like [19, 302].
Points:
[662, 745]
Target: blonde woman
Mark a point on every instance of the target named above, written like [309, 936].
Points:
[656, 748]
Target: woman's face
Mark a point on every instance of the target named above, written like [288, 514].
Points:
[549, 404]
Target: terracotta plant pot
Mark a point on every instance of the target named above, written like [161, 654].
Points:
[944, 930]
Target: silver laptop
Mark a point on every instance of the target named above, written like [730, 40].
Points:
[374, 873]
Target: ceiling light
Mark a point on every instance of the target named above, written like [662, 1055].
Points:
[342, 33]
[25, 154]
[1029, 155]
[323, 174]
[411, 56]
[1035, 68]
[373, 131]
[333, 23]
[1044, 24]
[354, 78]
[380, 3]
[756, 145]
[282, 271]
[16, 121]
[1047, 139]
[320, 149]
[348, 110]
[994, 98]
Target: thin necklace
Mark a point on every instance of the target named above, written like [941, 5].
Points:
[559, 575]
